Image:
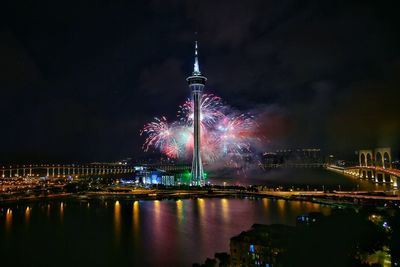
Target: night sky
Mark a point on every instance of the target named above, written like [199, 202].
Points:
[79, 79]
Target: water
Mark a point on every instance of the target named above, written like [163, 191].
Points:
[123, 232]
[313, 178]
[136, 233]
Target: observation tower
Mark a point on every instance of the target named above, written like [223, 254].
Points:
[196, 84]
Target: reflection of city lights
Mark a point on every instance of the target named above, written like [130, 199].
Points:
[158, 224]
[281, 207]
[179, 210]
[61, 210]
[136, 214]
[265, 202]
[157, 210]
[281, 204]
[157, 207]
[201, 206]
[8, 219]
[117, 219]
[136, 221]
[296, 205]
[225, 209]
[27, 213]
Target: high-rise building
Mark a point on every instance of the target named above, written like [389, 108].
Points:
[196, 83]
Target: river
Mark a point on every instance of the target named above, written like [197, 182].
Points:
[124, 232]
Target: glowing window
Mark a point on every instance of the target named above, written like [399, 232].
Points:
[252, 248]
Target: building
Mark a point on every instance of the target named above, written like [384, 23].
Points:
[309, 219]
[172, 167]
[301, 156]
[144, 175]
[149, 175]
[262, 245]
[168, 180]
[196, 84]
[293, 158]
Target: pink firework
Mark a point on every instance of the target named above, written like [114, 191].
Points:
[235, 134]
[159, 136]
[212, 109]
[226, 135]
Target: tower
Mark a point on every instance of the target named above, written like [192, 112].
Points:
[196, 83]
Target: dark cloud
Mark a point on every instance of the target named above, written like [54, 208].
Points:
[79, 80]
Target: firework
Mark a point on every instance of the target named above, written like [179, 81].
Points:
[160, 135]
[212, 109]
[226, 134]
[234, 132]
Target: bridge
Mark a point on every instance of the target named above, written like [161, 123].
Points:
[374, 165]
[73, 171]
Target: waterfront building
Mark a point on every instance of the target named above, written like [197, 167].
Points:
[262, 245]
[293, 158]
[147, 176]
[309, 219]
[168, 180]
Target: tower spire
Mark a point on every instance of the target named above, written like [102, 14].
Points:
[196, 68]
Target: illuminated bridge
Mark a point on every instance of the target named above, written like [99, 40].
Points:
[63, 171]
[374, 165]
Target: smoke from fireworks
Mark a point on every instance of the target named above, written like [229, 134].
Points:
[225, 134]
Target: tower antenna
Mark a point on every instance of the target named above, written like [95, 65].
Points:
[196, 67]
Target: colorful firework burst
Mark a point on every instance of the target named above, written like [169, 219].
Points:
[226, 134]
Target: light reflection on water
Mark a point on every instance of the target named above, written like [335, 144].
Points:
[27, 214]
[145, 233]
[8, 220]
[281, 203]
[179, 211]
[200, 205]
[117, 221]
[225, 210]
[265, 202]
[295, 205]
[48, 210]
[136, 219]
[312, 179]
[61, 211]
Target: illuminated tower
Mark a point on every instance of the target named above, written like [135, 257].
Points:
[196, 83]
